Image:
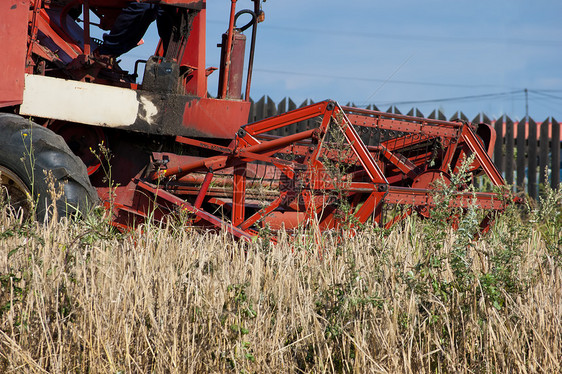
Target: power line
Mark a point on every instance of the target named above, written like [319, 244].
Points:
[459, 98]
[414, 37]
[538, 92]
[387, 80]
[379, 80]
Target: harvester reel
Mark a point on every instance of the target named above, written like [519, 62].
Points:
[324, 174]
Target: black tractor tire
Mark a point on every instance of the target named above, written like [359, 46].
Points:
[32, 152]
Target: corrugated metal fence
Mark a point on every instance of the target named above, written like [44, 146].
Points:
[527, 152]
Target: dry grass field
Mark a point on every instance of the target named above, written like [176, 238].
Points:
[77, 297]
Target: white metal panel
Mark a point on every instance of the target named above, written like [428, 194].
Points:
[82, 102]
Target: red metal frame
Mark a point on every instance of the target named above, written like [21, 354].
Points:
[304, 186]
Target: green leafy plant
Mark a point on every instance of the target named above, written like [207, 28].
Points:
[548, 217]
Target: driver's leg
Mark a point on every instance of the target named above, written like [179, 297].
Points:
[128, 29]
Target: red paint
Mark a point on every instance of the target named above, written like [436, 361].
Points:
[13, 38]
[215, 118]
[194, 57]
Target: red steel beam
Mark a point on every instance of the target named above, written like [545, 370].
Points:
[482, 157]
[285, 119]
[409, 119]
[202, 144]
[262, 213]
[222, 161]
[448, 129]
[203, 190]
[205, 216]
[373, 171]
[424, 197]
[239, 194]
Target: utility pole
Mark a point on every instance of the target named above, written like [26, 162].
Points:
[527, 104]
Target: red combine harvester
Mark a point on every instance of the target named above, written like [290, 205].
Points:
[173, 149]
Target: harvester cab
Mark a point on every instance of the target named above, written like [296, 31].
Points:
[172, 98]
[163, 147]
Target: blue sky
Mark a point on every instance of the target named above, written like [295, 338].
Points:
[426, 54]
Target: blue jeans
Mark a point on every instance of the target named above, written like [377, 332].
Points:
[131, 25]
